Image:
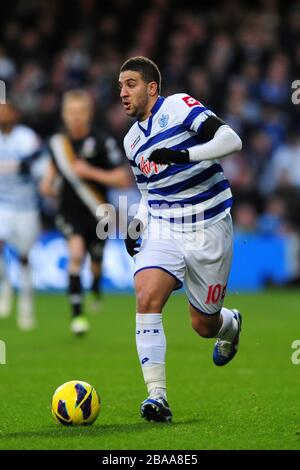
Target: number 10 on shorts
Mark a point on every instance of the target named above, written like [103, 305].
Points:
[215, 293]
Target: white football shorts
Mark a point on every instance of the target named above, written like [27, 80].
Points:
[200, 261]
[19, 229]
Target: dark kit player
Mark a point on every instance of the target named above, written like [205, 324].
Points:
[87, 163]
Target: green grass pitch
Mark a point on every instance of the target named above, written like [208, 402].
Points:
[252, 403]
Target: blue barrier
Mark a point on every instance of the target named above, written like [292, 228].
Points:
[257, 259]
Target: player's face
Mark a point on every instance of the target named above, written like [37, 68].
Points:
[8, 116]
[76, 114]
[135, 94]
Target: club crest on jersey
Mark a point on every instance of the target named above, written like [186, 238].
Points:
[88, 147]
[163, 120]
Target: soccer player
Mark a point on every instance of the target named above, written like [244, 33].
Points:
[87, 161]
[183, 219]
[19, 214]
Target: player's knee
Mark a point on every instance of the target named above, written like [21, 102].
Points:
[148, 300]
[206, 329]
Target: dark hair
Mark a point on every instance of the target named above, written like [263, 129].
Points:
[146, 67]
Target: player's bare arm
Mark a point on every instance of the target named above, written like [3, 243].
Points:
[118, 177]
[47, 186]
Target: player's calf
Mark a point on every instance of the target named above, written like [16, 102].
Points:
[205, 330]
[206, 326]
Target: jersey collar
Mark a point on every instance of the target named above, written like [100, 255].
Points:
[154, 110]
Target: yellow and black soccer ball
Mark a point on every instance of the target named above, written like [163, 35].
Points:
[75, 403]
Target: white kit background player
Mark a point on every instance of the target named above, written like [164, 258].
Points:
[19, 217]
[173, 149]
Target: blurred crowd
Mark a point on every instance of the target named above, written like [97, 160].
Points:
[238, 58]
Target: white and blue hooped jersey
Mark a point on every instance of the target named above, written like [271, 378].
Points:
[187, 196]
[18, 192]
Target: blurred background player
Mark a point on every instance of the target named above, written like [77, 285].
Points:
[19, 215]
[87, 162]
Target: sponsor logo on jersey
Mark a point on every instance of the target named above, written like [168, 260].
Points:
[135, 142]
[163, 120]
[146, 167]
[88, 147]
[191, 101]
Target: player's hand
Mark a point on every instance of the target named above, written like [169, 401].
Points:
[82, 168]
[133, 236]
[166, 156]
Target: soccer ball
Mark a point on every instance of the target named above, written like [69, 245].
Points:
[75, 403]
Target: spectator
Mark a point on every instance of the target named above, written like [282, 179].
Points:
[240, 58]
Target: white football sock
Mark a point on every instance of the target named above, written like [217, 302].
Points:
[2, 268]
[229, 327]
[151, 347]
[25, 307]
[25, 281]
[6, 291]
